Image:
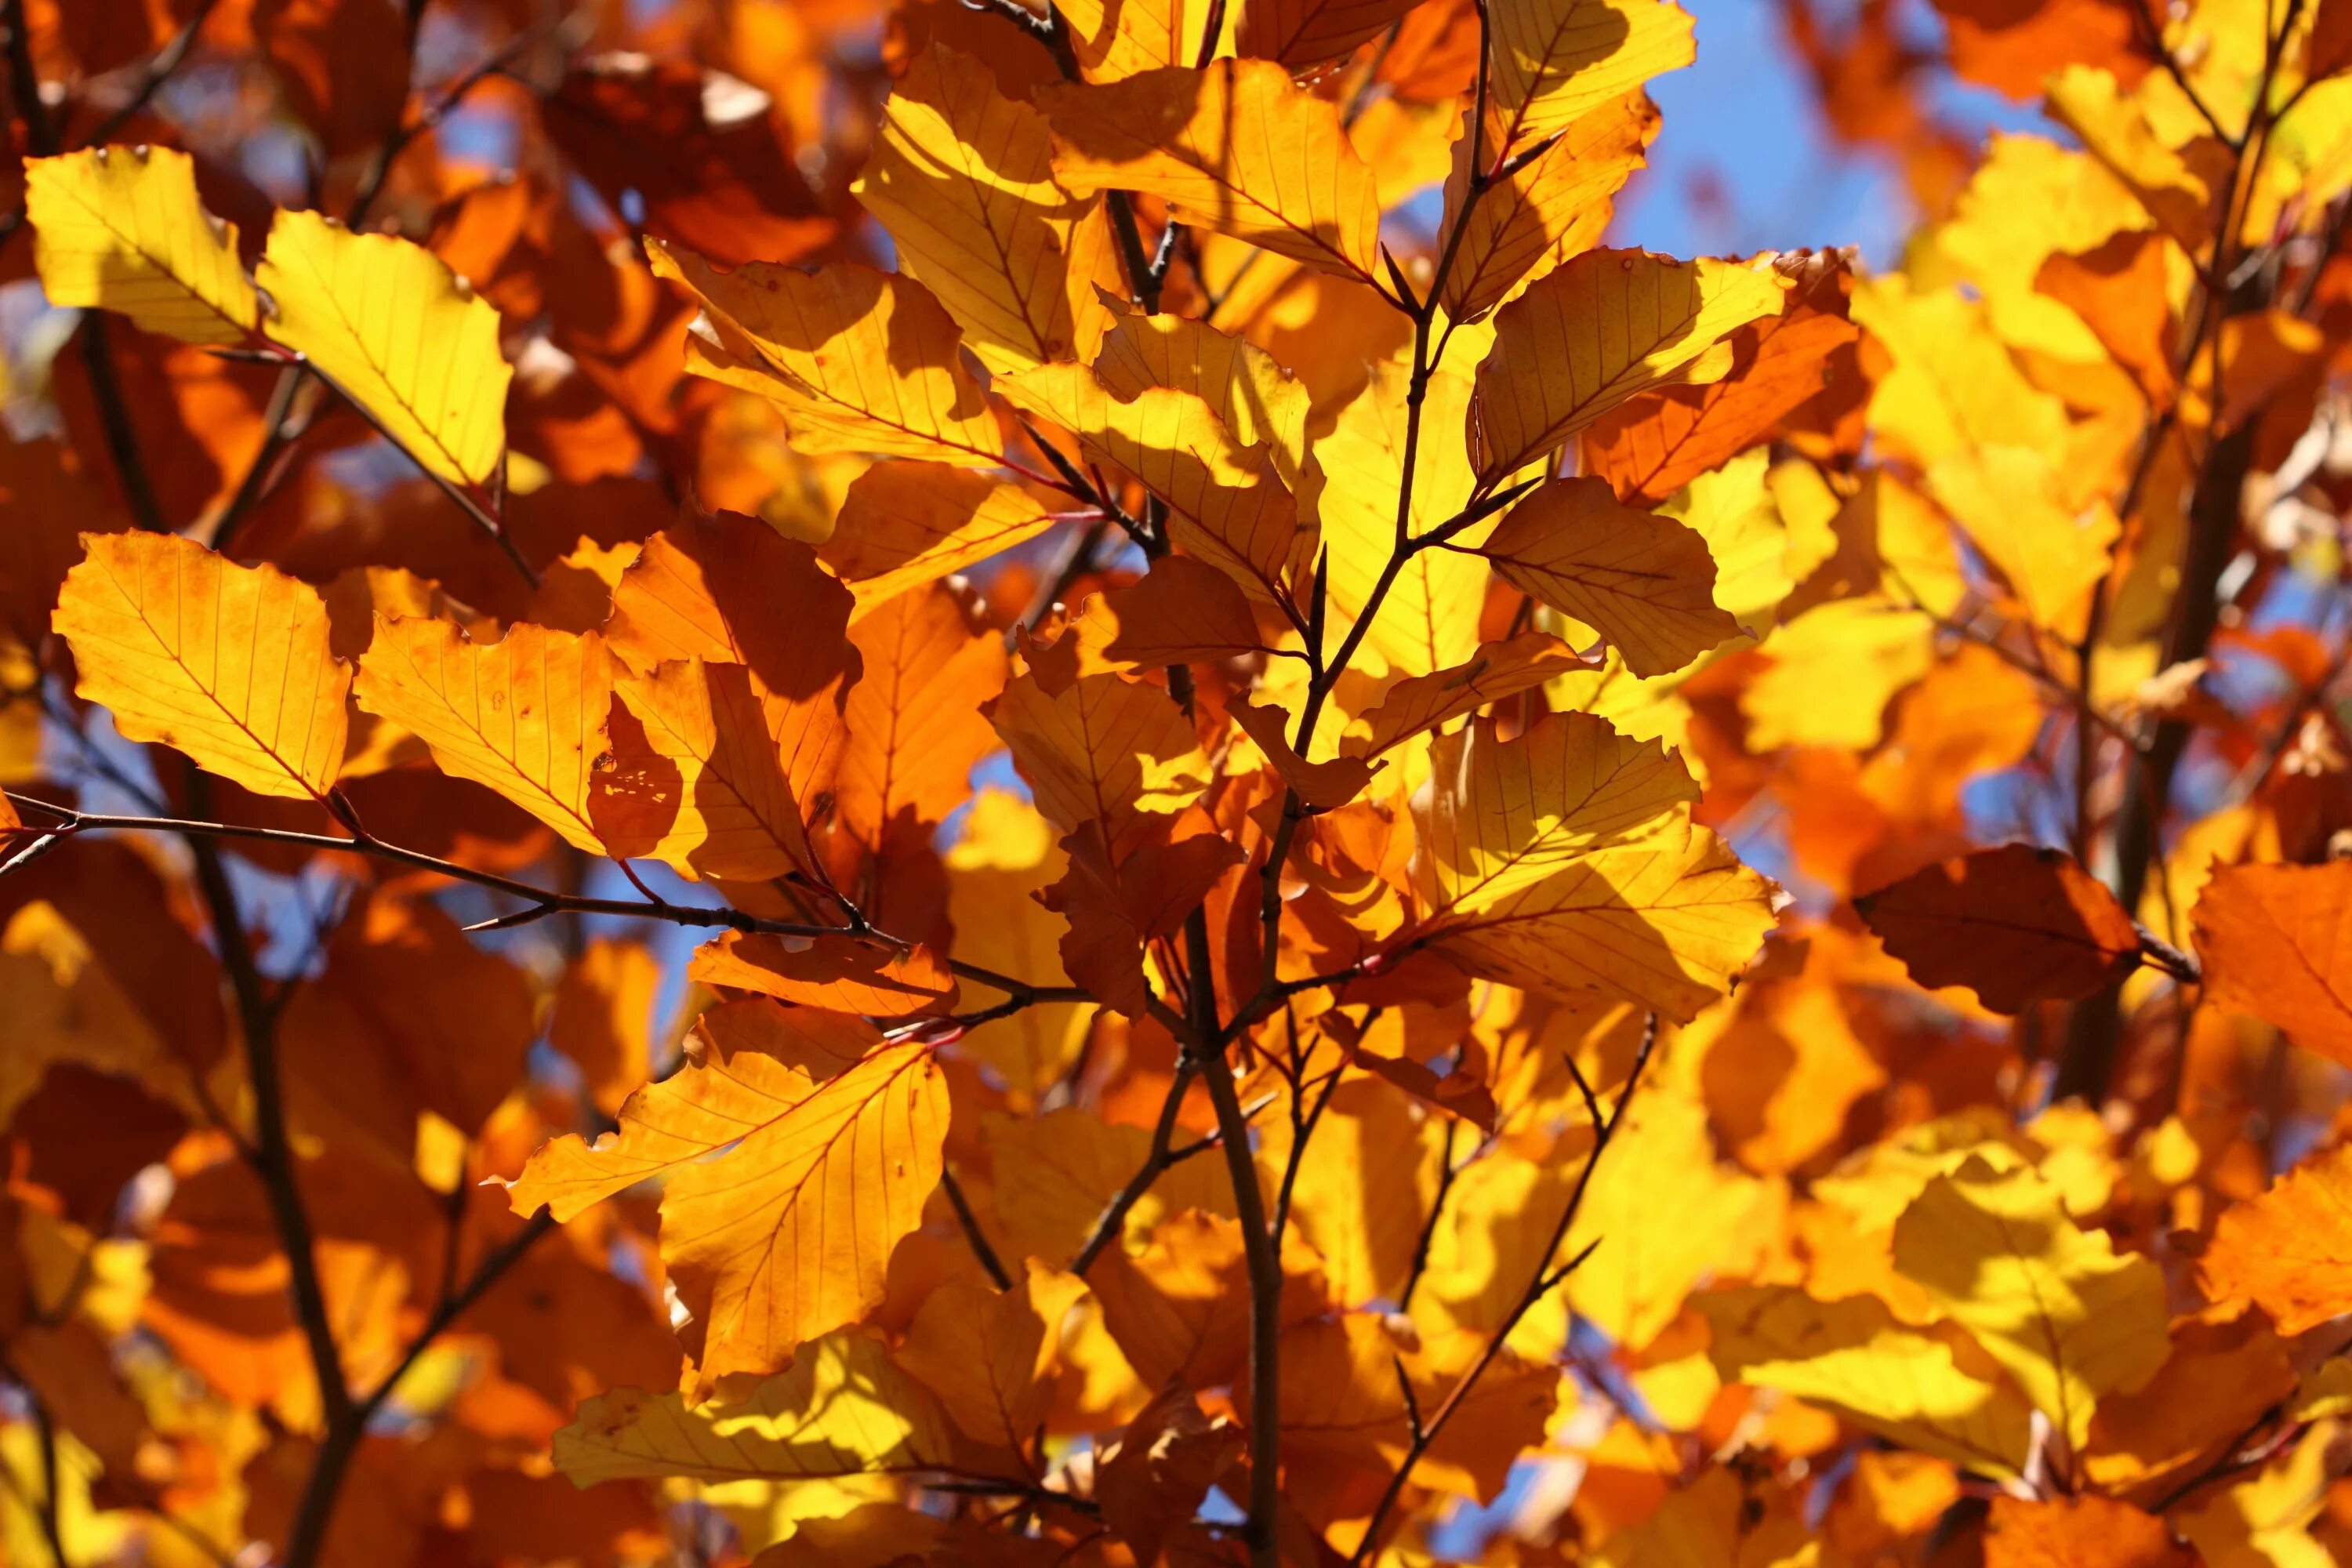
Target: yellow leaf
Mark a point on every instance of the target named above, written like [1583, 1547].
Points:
[1667, 926]
[2053, 554]
[696, 781]
[1365, 1182]
[1236, 147]
[1607, 325]
[1309, 32]
[124, 229]
[1502, 815]
[1835, 669]
[1554, 59]
[905, 524]
[1497, 670]
[2054, 1304]
[1113, 39]
[1645, 581]
[1259, 403]
[1665, 1213]
[401, 336]
[990, 1354]
[842, 1410]
[1526, 224]
[1429, 621]
[525, 716]
[962, 178]
[229, 664]
[1103, 752]
[1954, 383]
[860, 361]
[1918, 1389]
[829, 1157]
[1230, 508]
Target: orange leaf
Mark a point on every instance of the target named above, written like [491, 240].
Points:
[2289, 1249]
[828, 971]
[2277, 943]
[2084, 1531]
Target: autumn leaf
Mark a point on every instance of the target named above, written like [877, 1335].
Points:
[1291, 183]
[1554, 59]
[2288, 1249]
[1505, 814]
[2013, 924]
[1607, 325]
[989, 1354]
[1919, 1389]
[695, 778]
[860, 361]
[124, 229]
[1667, 926]
[2271, 937]
[833, 1146]
[842, 1410]
[2075, 1530]
[1104, 753]
[905, 524]
[526, 715]
[229, 664]
[963, 177]
[2055, 1305]
[1537, 216]
[1645, 581]
[406, 339]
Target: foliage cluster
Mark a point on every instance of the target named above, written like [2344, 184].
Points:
[989, 785]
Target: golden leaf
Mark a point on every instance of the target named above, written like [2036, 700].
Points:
[2054, 1304]
[1103, 752]
[1236, 147]
[1645, 581]
[1555, 59]
[786, 1236]
[525, 716]
[1667, 926]
[124, 229]
[229, 664]
[860, 361]
[1917, 1388]
[842, 1410]
[962, 178]
[401, 336]
[1607, 325]
[1502, 814]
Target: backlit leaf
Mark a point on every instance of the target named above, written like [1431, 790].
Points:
[1234, 147]
[1668, 926]
[860, 361]
[2066, 1315]
[842, 1410]
[1607, 325]
[122, 229]
[2274, 939]
[525, 715]
[1645, 581]
[229, 664]
[390, 324]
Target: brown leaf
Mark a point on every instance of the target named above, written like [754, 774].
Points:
[2016, 925]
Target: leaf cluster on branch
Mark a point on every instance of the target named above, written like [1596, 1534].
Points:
[977, 783]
